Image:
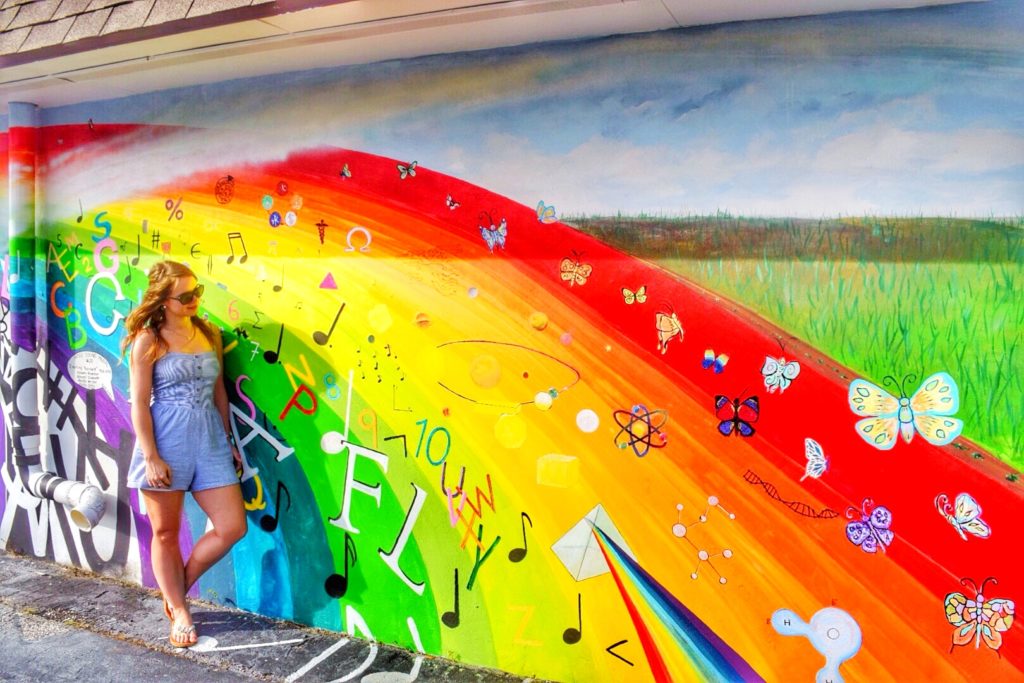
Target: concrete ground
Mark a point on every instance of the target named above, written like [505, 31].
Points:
[57, 624]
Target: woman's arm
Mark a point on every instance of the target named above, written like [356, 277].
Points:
[158, 473]
[220, 394]
[141, 374]
[220, 400]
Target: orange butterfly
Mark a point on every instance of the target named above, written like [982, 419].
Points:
[669, 327]
[574, 271]
[980, 619]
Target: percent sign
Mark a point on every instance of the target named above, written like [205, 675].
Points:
[175, 210]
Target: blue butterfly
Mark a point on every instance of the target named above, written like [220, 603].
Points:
[494, 236]
[712, 361]
[407, 170]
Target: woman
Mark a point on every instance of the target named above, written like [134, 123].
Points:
[180, 415]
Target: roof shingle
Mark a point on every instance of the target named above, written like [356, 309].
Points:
[87, 25]
[69, 8]
[200, 7]
[130, 15]
[34, 13]
[168, 10]
[10, 41]
[51, 33]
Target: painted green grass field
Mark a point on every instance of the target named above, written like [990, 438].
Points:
[895, 296]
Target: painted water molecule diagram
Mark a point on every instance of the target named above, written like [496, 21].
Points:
[832, 632]
[680, 530]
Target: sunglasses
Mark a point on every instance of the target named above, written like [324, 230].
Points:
[185, 298]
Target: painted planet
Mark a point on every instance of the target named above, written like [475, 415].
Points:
[473, 291]
[543, 400]
[538, 320]
[587, 421]
[510, 431]
[331, 443]
[379, 318]
[485, 370]
[282, 188]
[267, 202]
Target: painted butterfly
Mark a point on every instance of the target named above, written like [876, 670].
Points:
[574, 271]
[778, 373]
[546, 213]
[817, 461]
[979, 619]
[711, 361]
[494, 237]
[452, 204]
[925, 412]
[345, 173]
[669, 327]
[639, 296]
[872, 531]
[736, 416]
[407, 170]
[965, 515]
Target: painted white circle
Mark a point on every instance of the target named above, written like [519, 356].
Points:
[290, 218]
[587, 421]
[542, 400]
[332, 443]
[204, 644]
[833, 634]
[679, 530]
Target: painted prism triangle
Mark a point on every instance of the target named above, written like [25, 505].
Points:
[580, 552]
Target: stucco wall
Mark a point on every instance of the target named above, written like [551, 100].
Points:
[606, 439]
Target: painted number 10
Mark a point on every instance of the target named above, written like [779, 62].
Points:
[430, 439]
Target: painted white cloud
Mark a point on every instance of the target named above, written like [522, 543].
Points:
[883, 148]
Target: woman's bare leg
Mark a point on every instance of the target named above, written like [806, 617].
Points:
[164, 511]
[226, 510]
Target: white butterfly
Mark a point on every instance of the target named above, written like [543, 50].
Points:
[964, 516]
[778, 373]
[817, 461]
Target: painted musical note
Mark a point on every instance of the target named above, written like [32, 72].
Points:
[232, 236]
[138, 250]
[320, 337]
[451, 619]
[81, 211]
[278, 288]
[273, 356]
[336, 585]
[571, 636]
[269, 522]
[517, 554]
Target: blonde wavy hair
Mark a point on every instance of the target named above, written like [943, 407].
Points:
[150, 314]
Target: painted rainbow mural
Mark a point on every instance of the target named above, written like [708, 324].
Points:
[474, 430]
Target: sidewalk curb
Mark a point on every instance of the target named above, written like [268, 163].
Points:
[231, 640]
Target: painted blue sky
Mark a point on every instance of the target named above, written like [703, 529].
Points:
[906, 113]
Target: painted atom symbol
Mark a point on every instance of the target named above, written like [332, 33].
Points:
[640, 429]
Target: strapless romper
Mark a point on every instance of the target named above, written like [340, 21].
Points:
[188, 429]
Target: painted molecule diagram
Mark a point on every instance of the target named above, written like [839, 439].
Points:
[680, 530]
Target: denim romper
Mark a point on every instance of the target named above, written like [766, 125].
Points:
[186, 425]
